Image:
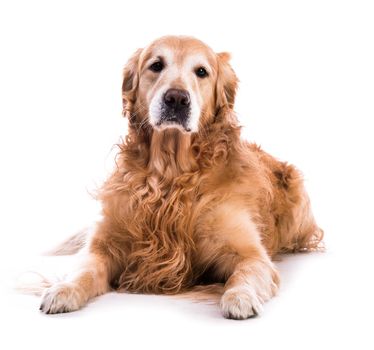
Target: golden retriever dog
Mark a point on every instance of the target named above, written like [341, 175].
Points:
[189, 202]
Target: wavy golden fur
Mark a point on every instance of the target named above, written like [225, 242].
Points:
[184, 208]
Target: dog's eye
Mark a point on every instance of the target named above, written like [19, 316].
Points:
[156, 67]
[201, 72]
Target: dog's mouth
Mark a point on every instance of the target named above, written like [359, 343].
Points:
[171, 118]
[174, 109]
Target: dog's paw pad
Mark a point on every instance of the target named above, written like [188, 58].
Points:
[61, 297]
[240, 304]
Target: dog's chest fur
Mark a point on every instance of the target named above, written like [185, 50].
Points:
[161, 213]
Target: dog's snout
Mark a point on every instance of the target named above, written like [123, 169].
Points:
[177, 99]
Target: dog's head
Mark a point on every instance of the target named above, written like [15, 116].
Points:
[177, 82]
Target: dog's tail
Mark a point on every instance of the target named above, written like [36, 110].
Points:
[33, 282]
[73, 244]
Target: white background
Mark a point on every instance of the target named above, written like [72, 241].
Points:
[306, 95]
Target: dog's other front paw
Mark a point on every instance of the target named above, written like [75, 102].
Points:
[240, 303]
[62, 297]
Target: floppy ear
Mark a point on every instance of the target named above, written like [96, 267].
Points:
[227, 83]
[130, 82]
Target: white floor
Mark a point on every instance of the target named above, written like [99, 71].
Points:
[323, 303]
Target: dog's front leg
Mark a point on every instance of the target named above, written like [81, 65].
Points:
[230, 243]
[88, 281]
[253, 281]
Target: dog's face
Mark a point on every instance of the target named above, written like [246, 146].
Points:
[177, 82]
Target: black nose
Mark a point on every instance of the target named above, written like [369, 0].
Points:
[177, 99]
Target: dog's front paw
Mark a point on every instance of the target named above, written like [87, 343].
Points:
[61, 297]
[241, 303]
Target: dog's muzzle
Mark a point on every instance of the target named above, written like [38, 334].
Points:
[176, 108]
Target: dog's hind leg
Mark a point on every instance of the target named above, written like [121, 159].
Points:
[297, 226]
